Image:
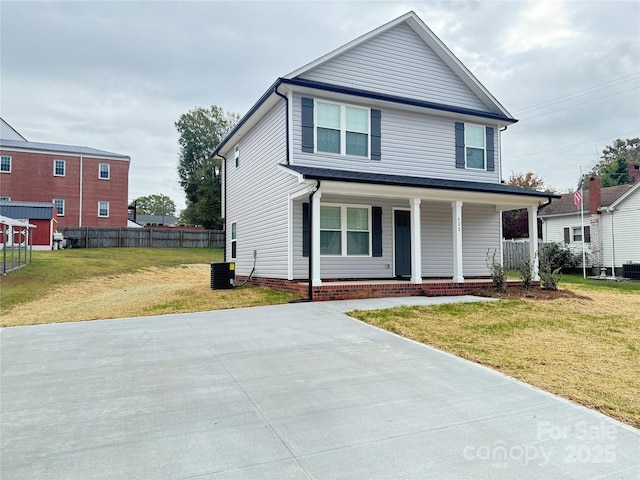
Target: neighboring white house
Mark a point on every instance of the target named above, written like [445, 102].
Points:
[378, 160]
[611, 223]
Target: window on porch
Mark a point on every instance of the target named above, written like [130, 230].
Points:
[345, 230]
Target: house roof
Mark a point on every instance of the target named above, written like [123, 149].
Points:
[59, 148]
[409, 181]
[271, 96]
[564, 205]
[143, 219]
[30, 210]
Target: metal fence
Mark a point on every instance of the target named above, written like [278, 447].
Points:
[88, 237]
[514, 252]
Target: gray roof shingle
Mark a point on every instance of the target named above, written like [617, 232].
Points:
[59, 148]
[408, 181]
[565, 205]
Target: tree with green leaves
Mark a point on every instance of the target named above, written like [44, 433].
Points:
[613, 165]
[154, 205]
[200, 131]
[515, 223]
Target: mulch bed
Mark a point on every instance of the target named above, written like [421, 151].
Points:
[534, 293]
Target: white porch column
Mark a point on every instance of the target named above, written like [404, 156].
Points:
[416, 243]
[456, 210]
[533, 242]
[315, 239]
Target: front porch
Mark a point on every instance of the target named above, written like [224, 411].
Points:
[379, 288]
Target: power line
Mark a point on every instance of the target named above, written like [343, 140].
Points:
[574, 145]
[578, 104]
[579, 93]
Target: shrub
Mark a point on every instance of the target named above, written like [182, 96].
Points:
[525, 274]
[498, 275]
[549, 273]
[559, 257]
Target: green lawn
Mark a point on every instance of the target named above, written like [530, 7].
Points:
[51, 270]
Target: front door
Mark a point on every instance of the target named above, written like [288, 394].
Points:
[402, 247]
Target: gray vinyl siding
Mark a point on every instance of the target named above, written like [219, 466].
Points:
[257, 198]
[481, 232]
[437, 239]
[412, 143]
[354, 266]
[398, 62]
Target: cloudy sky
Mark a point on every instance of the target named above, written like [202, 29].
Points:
[117, 75]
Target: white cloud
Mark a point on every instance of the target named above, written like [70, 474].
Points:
[540, 25]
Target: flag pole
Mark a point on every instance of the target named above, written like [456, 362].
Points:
[584, 255]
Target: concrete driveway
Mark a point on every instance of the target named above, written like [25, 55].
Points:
[285, 392]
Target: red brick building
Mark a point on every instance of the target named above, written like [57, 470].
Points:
[89, 187]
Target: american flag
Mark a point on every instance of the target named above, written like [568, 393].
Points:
[577, 196]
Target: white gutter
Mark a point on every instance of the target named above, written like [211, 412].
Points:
[613, 244]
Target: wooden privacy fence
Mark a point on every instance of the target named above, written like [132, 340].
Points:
[88, 237]
[514, 252]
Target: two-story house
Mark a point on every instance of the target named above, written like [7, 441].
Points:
[378, 161]
[89, 187]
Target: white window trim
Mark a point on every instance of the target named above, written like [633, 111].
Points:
[574, 231]
[10, 164]
[234, 226]
[343, 129]
[4, 198]
[63, 206]
[64, 167]
[100, 177]
[344, 230]
[108, 209]
[484, 149]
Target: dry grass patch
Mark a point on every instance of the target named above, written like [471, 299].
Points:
[585, 350]
[151, 291]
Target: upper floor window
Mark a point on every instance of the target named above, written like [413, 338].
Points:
[5, 164]
[345, 230]
[104, 171]
[4, 199]
[475, 147]
[342, 129]
[236, 155]
[59, 204]
[59, 168]
[474, 141]
[103, 209]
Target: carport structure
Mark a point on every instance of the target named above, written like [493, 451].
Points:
[17, 243]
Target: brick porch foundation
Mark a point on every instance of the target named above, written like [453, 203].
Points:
[358, 289]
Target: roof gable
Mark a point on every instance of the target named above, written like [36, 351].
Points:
[429, 70]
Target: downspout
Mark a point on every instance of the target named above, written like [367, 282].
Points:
[286, 106]
[311, 239]
[80, 209]
[613, 245]
[224, 246]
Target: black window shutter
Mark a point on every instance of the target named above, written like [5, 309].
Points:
[306, 230]
[307, 125]
[567, 235]
[376, 124]
[459, 145]
[587, 234]
[376, 239]
[491, 164]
